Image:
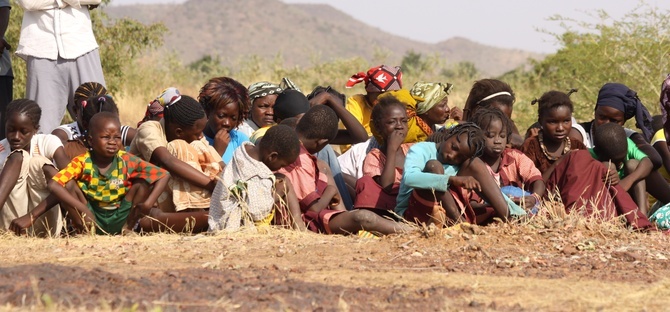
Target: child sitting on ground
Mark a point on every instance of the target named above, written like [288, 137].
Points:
[449, 161]
[383, 167]
[513, 171]
[112, 192]
[315, 189]
[177, 145]
[629, 166]
[27, 162]
[249, 191]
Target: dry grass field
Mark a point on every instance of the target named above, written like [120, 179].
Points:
[555, 264]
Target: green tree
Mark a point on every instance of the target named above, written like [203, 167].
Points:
[632, 50]
[120, 41]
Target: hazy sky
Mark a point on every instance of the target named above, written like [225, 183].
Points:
[508, 24]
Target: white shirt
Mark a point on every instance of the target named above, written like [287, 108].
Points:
[53, 28]
[41, 144]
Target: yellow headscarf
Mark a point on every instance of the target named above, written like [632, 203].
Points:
[429, 94]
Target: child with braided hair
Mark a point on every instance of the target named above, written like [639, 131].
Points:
[176, 144]
[437, 169]
[28, 160]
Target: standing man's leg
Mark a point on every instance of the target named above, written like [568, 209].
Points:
[47, 84]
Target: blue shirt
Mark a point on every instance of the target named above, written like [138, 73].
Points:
[236, 140]
[414, 177]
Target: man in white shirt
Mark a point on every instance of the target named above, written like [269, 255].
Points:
[6, 75]
[61, 53]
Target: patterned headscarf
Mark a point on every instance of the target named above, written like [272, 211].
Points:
[378, 79]
[429, 94]
[263, 88]
[156, 107]
[665, 98]
[622, 98]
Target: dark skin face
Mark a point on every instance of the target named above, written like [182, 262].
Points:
[438, 114]
[261, 110]
[223, 117]
[105, 138]
[556, 124]
[605, 114]
[188, 134]
[496, 138]
[453, 152]
[394, 119]
[20, 130]
[274, 162]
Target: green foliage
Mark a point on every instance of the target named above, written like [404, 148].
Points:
[120, 42]
[632, 50]
[462, 70]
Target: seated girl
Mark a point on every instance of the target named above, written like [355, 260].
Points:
[568, 167]
[27, 161]
[226, 103]
[176, 144]
[435, 172]
[511, 169]
[112, 187]
[383, 166]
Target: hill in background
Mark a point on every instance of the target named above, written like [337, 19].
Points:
[301, 34]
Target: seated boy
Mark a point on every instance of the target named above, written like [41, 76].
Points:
[248, 190]
[315, 189]
[629, 166]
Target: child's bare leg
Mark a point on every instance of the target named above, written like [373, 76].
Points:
[448, 208]
[288, 206]
[490, 190]
[185, 221]
[639, 190]
[361, 219]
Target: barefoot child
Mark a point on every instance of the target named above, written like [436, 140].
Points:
[248, 190]
[315, 188]
[27, 160]
[450, 161]
[112, 185]
[513, 171]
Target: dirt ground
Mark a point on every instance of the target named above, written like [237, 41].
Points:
[552, 266]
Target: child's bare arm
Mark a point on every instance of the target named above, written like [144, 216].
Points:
[355, 132]
[157, 189]
[9, 176]
[336, 199]
[19, 225]
[66, 197]
[60, 158]
[640, 173]
[162, 157]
